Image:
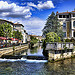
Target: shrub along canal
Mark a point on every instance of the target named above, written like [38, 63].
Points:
[25, 66]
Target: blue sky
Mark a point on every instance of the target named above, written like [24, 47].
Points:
[33, 13]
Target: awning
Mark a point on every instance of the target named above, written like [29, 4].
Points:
[2, 38]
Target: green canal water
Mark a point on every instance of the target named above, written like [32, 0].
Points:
[36, 67]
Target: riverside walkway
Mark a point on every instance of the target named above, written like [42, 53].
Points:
[5, 51]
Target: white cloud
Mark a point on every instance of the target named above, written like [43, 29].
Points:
[23, 15]
[13, 10]
[40, 5]
[32, 25]
[32, 4]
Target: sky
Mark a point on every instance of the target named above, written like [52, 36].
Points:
[33, 14]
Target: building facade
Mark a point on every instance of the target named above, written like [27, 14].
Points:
[20, 28]
[38, 37]
[5, 21]
[67, 21]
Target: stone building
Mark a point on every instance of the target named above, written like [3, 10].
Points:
[67, 21]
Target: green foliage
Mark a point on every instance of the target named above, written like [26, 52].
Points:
[65, 48]
[8, 69]
[52, 37]
[52, 25]
[34, 50]
[73, 40]
[18, 35]
[67, 40]
[5, 30]
[33, 40]
[13, 47]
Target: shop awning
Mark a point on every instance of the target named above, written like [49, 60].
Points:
[2, 38]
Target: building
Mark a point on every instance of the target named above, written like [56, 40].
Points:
[67, 21]
[20, 27]
[28, 38]
[5, 21]
[38, 37]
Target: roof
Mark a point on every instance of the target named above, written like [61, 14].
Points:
[18, 24]
[64, 13]
[11, 22]
[73, 11]
[35, 36]
[7, 21]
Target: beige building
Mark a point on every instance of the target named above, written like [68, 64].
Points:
[20, 27]
[5, 21]
[8, 22]
[67, 20]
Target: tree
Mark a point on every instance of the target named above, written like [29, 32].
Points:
[18, 35]
[33, 40]
[5, 30]
[52, 25]
[52, 37]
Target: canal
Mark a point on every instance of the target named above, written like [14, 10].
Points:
[36, 67]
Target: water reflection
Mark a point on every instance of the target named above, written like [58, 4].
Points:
[35, 51]
[66, 67]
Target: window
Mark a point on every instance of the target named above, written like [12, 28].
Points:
[73, 15]
[74, 34]
[74, 24]
[64, 16]
[64, 25]
[67, 16]
[22, 27]
[60, 16]
[64, 34]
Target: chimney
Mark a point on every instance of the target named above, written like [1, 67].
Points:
[57, 12]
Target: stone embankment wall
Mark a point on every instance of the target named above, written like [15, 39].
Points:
[5, 51]
[59, 51]
[59, 56]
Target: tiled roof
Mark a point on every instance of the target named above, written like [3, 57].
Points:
[18, 24]
[7, 21]
[35, 36]
[64, 13]
[73, 11]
